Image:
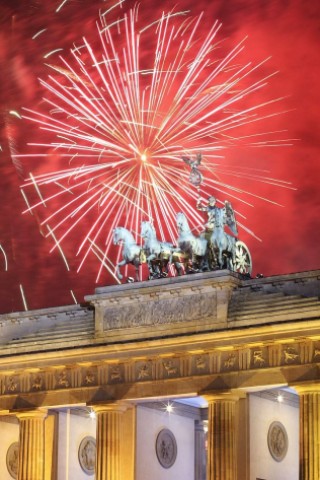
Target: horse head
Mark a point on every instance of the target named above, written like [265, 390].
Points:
[122, 234]
[117, 235]
[147, 230]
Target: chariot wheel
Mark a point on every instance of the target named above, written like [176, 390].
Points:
[243, 263]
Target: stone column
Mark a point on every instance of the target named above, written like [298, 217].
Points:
[31, 445]
[309, 432]
[222, 449]
[199, 450]
[108, 441]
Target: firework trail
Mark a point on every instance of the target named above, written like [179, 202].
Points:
[5, 259]
[121, 112]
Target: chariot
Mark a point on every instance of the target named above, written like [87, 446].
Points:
[212, 249]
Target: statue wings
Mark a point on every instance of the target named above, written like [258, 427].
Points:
[193, 163]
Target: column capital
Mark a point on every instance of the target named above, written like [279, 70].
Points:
[110, 407]
[227, 395]
[306, 388]
[28, 414]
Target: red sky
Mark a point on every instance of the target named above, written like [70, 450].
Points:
[286, 31]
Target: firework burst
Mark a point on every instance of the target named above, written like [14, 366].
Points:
[121, 112]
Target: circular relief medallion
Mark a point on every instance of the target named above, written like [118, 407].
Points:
[166, 448]
[87, 455]
[13, 459]
[277, 441]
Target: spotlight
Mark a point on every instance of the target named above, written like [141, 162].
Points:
[169, 407]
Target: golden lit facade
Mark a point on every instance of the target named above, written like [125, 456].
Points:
[133, 347]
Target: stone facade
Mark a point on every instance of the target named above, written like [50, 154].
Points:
[214, 335]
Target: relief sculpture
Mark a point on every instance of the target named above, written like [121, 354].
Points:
[230, 361]
[316, 354]
[115, 374]
[201, 363]
[87, 455]
[144, 371]
[258, 359]
[162, 311]
[63, 380]
[277, 441]
[13, 459]
[290, 355]
[37, 383]
[90, 378]
[166, 448]
[12, 385]
[170, 368]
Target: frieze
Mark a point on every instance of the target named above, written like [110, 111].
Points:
[274, 355]
[306, 350]
[143, 371]
[230, 360]
[259, 358]
[116, 373]
[162, 311]
[162, 368]
[316, 354]
[215, 362]
[200, 364]
[37, 382]
[171, 368]
[12, 384]
[89, 377]
[63, 379]
[102, 372]
[291, 355]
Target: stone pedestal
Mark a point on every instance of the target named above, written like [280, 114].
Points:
[167, 306]
[222, 452]
[32, 445]
[309, 432]
[108, 441]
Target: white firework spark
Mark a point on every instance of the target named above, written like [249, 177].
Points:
[119, 117]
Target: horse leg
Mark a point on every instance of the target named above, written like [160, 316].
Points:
[153, 273]
[137, 264]
[231, 263]
[164, 268]
[204, 262]
[220, 259]
[178, 267]
[232, 260]
[229, 257]
[120, 264]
